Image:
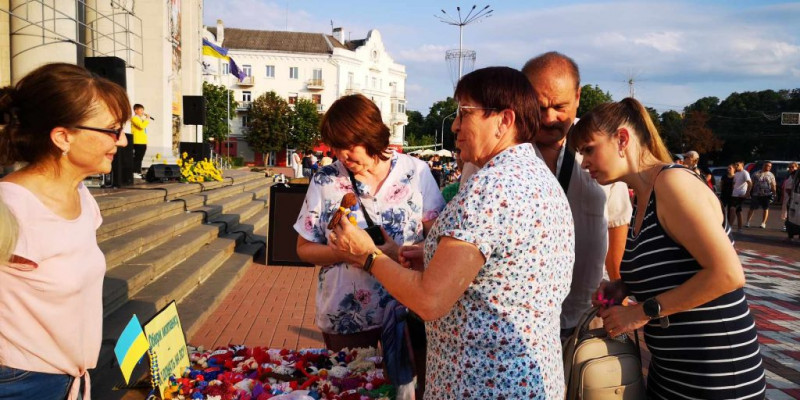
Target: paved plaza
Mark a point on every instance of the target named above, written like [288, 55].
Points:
[274, 306]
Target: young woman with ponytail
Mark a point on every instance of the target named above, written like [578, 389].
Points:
[63, 124]
[679, 264]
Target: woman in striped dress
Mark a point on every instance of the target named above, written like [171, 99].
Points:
[679, 264]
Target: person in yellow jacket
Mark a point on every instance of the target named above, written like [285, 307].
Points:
[139, 123]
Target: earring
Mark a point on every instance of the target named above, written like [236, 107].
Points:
[497, 134]
[621, 154]
[64, 153]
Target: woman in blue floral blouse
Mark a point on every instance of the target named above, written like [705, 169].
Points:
[498, 260]
[399, 194]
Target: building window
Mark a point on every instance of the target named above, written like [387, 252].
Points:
[318, 75]
[225, 69]
[401, 108]
[374, 82]
[244, 121]
[270, 71]
[350, 80]
[246, 96]
[248, 70]
[292, 98]
[294, 73]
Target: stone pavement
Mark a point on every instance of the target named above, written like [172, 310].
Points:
[274, 306]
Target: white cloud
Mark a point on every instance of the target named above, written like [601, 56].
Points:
[666, 42]
[424, 53]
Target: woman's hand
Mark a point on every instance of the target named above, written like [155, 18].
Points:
[621, 319]
[353, 242]
[389, 246]
[609, 294]
[412, 257]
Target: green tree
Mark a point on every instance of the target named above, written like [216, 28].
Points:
[220, 109]
[654, 117]
[672, 130]
[434, 121]
[592, 97]
[304, 132]
[268, 123]
[414, 128]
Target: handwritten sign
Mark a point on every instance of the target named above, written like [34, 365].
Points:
[168, 355]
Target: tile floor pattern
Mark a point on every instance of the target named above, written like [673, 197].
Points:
[274, 306]
[773, 291]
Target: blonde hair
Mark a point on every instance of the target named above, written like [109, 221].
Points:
[8, 233]
[609, 117]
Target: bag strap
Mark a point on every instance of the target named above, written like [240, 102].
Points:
[358, 196]
[567, 164]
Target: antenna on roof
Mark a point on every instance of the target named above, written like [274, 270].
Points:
[331, 27]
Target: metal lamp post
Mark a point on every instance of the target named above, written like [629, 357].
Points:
[461, 22]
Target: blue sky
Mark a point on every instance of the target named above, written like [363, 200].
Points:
[676, 51]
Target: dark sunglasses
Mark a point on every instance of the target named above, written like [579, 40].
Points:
[114, 133]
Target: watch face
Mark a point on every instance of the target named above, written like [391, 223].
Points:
[651, 308]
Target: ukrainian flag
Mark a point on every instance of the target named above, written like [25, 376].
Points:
[130, 348]
[212, 50]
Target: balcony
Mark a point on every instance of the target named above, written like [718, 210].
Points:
[247, 81]
[244, 106]
[352, 88]
[315, 84]
[320, 108]
[399, 118]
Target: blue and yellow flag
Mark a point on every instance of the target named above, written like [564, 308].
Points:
[130, 348]
[212, 50]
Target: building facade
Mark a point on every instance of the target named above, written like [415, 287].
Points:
[314, 66]
[159, 43]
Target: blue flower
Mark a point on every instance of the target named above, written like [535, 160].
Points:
[325, 175]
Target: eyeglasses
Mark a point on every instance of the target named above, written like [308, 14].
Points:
[462, 110]
[114, 133]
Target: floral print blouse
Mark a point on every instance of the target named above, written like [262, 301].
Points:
[501, 338]
[350, 300]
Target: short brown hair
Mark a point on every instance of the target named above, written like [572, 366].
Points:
[50, 96]
[355, 120]
[502, 88]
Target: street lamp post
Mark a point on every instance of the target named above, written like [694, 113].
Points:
[461, 21]
[444, 119]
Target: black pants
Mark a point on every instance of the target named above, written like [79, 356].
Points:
[138, 156]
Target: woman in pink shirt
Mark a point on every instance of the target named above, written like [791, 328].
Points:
[65, 124]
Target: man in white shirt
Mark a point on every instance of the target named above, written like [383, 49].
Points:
[556, 82]
[741, 190]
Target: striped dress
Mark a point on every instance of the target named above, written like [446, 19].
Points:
[709, 352]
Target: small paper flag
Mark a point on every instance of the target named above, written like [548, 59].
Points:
[130, 348]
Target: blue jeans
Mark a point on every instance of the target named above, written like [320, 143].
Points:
[19, 384]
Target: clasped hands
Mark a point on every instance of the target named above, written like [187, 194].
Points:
[354, 244]
[619, 315]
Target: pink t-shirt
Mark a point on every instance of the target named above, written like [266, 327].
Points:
[51, 315]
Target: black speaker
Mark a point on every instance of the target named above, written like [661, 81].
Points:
[122, 165]
[163, 173]
[285, 203]
[111, 68]
[198, 151]
[194, 110]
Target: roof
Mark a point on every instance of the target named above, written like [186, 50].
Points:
[290, 42]
[352, 45]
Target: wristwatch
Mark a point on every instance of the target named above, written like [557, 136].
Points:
[652, 308]
[370, 260]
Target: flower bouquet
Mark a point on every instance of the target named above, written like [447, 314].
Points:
[200, 171]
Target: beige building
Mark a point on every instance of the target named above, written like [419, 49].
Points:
[159, 43]
[315, 66]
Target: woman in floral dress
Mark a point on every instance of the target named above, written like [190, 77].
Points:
[498, 260]
[398, 192]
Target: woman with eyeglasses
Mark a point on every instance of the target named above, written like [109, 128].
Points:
[64, 124]
[498, 260]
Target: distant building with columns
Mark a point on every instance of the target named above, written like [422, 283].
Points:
[315, 66]
[158, 42]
